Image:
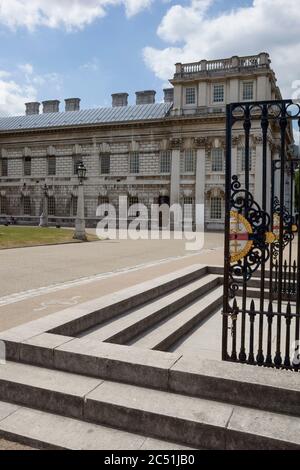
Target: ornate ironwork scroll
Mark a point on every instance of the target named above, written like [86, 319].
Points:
[261, 305]
[289, 227]
[249, 240]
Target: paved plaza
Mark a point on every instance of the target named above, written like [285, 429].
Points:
[50, 278]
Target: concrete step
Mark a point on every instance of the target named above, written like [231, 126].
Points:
[136, 321]
[43, 430]
[45, 389]
[164, 335]
[192, 421]
[186, 420]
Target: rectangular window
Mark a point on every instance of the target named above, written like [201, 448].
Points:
[104, 201]
[134, 163]
[131, 201]
[242, 155]
[190, 95]
[51, 205]
[248, 91]
[188, 208]
[217, 159]
[165, 162]
[74, 206]
[51, 166]
[3, 205]
[105, 164]
[76, 160]
[189, 161]
[26, 205]
[4, 167]
[218, 94]
[27, 166]
[216, 208]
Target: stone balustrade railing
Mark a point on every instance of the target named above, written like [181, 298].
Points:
[203, 66]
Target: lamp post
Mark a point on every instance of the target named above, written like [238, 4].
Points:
[80, 233]
[44, 215]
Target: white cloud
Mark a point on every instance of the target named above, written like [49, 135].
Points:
[23, 85]
[13, 96]
[68, 14]
[191, 35]
[91, 66]
[26, 69]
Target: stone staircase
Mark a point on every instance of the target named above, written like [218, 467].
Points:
[99, 376]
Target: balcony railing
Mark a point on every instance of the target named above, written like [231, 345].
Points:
[204, 66]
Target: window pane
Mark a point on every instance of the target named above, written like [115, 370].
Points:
[51, 166]
[217, 160]
[190, 96]
[131, 201]
[134, 163]
[189, 161]
[3, 205]
[27, 166]
[104, 201]
[76, 160]
[74, 206]
[105, 164]
[165, 162]
[248, 91]
[216, 208]
[242, 154]
[218, 93]
[188, 208]
[26, 205]
[51, 205]
[4, 167]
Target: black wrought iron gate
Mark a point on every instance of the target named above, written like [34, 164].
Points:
[261, 311]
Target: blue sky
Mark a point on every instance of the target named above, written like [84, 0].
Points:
[54, 53]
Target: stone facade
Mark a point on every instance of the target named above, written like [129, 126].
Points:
[181, 156]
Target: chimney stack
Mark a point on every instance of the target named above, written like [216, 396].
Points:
[32, 108]
[51, 106]
[169, 95]
[119, 99]
[72, 104]
[145, 97]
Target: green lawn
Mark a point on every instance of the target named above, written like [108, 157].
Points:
[17, 237]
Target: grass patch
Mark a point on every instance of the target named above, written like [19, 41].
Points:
[17, 237]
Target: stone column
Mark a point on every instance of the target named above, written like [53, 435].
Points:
[200, 189]
[80, 219]
[175, 173]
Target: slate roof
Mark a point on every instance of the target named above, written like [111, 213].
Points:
[85, 117]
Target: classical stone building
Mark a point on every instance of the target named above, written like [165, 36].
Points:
[152, 152]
